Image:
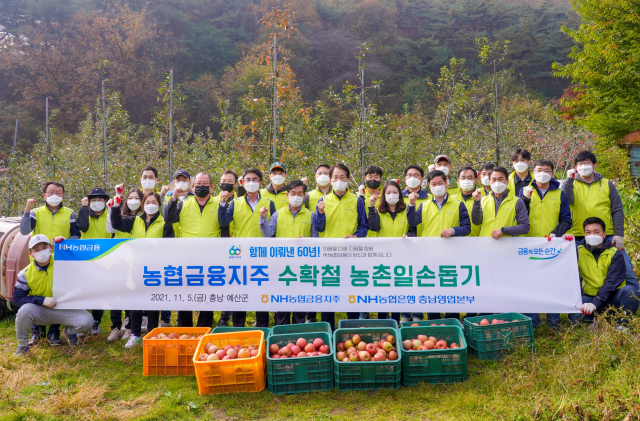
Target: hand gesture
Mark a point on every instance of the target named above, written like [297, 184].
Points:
[568, 237]
[587, 308]
[412, 198]
[321, 208]
[527, 192]
[85, 201]
[618, 242]
[305, 180]
[550, 236]
[571, 173]
[110, 203]
[117, 201]
[58, 239]
[120, 189]
[497, 233]
[224, 195]
[350, 236]
[361, 190]
[164, 190]
[373, 199]
[263, 212]
[30, 204]
[447, 232]
[477, 195]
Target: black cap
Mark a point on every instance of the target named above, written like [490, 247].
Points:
[183, 173]
[98, 192]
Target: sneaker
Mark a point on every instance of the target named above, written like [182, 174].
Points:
[72, 338]
[165, 324]
[622, 329]
[36, 337]
[22, 351]
[114, 335]
[254, 323]
[223, 323]
[126, 335]
[405, 320]
[95, 330]
[417, 319]
[145, 323]
[54, 339]
[133, 341]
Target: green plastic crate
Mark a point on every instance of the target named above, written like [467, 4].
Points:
[446, 322]
[303, 328]
[366, 323]
[371, 375]
[435, 366]
[490, 341]
[299, 375]
[225, 329]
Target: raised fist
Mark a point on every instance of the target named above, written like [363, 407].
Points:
[527, 192]
[85, 201]
[305, 180]
[110, 203]
[263, 212]
[120, 189]
[373, 199]
[321, 207]
[477, 195]
[30, 204]
[571, 173]
[412, 198]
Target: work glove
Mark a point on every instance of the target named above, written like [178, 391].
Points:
[110, 203]
[361, 190]
[120, 189]
[49, 302]
[527, 192]
[587, 308]
[431, 167]
[550, 236]
[571, 173]
[568, 237]
[618, 242]
[58, 239]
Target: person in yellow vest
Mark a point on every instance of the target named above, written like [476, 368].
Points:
[228, 183]
[148, 179]
[53, 220]
[590, 194]
[92, 223]
[485, 181]
[372, 181]
[443, 163]
[276, 191]
[292, 221]
[244, 214]
[502, 212]
[323, 187]
[549, 215]
[443, 216]
[196, 216]
[467, 179]
[341, 214]
[147, 224]
[602, 275]
[521, 176]
[33, 293]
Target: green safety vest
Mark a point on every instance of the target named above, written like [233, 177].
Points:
[97, 227]
[591, 200]
[390, 227]
[592, 272]
[194, 223]
[280, 199]
[290, 227]
[544, 213]
[53, 225]
[506, 216]
[246, 222]
[434, 219]
[512, 182]
[155, 230]
[40, 281]
[367, 197]
[341, 215]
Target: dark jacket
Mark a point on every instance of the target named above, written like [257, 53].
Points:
[615, 274]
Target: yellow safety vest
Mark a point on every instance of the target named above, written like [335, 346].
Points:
[544, 213]
[506, 216]
[314, 196]
[247, 221]
[512, 182]
[53, 225]
[592, 272]
[156, 228]
[40, 281]
[390, 227]
[468, 203]
[341, 215]
[280, 199]
[194, 223]
[97, 227]
[418, 203]
[591, 200]
[434, 219]
[290, 227]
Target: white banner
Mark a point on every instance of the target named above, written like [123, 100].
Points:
[468, 275]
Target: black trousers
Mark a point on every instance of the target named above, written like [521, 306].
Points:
[284, 317]
[353, 316]
[153, 317]
[330, 318]
[240, 317]
[185, 319]
[437, 316]
[394, 316]
[42, 330]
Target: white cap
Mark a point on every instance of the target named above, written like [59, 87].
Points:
[38, 238]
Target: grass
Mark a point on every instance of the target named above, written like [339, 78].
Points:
[575, 374]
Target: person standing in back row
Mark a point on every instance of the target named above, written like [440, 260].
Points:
[276, 191]
[521, 176]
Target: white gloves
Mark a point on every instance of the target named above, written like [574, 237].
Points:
[618, 242]
[527, 192]
[49, 302]
[431, 167]
[361, 190]
[588, 308]
[571, 173]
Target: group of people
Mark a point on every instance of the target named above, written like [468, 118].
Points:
[488, 202]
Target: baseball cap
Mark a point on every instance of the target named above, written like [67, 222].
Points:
[98, 192]
[441, 157]
[278, 164]
[38, 238]
[183, 173]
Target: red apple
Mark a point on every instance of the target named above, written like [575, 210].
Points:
[414, 325]
[221, 354]
[232, 353]
[422, 338]
[415, 344]
[275, 356]
[454, 345]
[361, 346]
[353, 356]
[346, 360]
[301, 342]
[429, 344]
[356, 339]
[341, 355]
[406, 344]
[254, 352]
[313, 354]
[244, 353]
[227, 357]
[348, 344]
[203, 357]
[325, 349]
[340, 346]
[391, 339]
[364, 356]
[309, 348]
[441, 344]
[433, 339]
[286, 351]
[252, 347]
[295, 350]
[207, 346]
[302, 354]
[495, 321]
[352, 349]
[484, 322]
[228, 347]
[274, 348]
[433, 324]
[387, 346]
[371, 349]
[422, 348]
[379, 357]
[318, 342]
[393, 355]
[213, 349]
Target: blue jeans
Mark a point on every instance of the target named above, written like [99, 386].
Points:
[624, 298]
[553, 319]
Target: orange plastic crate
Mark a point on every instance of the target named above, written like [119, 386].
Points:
[228, 376]
[170, 357]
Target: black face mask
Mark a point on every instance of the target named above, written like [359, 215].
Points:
[226, 187]
[373, 184]
[202, 191]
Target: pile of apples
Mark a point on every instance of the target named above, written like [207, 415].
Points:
[215, 353]
[427, 343]
[302, 348]
[432, 324]
[485, 322]
[174, 336]
[355, 349]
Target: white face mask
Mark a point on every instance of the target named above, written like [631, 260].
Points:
[392, 198]
[542, 177]
[54, 200]
[485, 180]
[148, 184]
[150, 209]
[520, 167]
[182, 185]
[42, 256]
[593, 240]
[339, 185]
[445, 170]
[295, 201]
[585, 170]
[498, 187]
[133, 204]
[439, 191]
[251, 186]
[412, 182]
[97, 205]
[323, 180]
[466, 185]
[277, 180]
